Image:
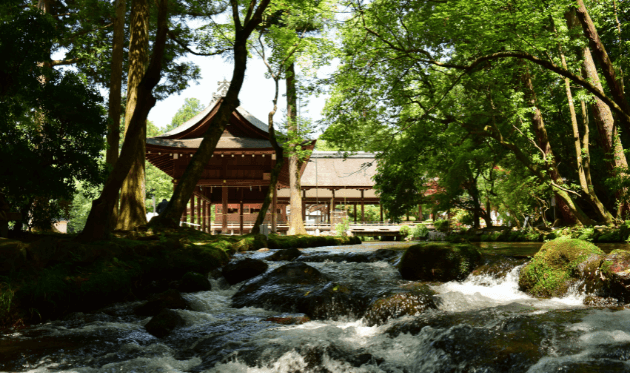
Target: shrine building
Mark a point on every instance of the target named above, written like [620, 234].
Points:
[235, 181]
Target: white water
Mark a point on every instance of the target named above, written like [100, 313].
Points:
[219, 338]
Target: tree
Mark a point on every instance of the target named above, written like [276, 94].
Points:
[242, 30]
[51, 123]
[410, 65]
[191, 107]
[98, 222]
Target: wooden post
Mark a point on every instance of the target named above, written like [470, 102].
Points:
[362, 207]
[240, 212]
[185, 218]
[210, 217]
[355, 213]
[199, 217]
[328, 212]
[274, 211]
[420, 213]
[224, 215]
[205, 216]
[381, 206]
[304, 206]
[407, 215]
[192, 210]
[331, 211]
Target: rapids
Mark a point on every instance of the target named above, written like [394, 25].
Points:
[483, 324]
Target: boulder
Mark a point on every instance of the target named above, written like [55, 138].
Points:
[286, 254]
[615, 269]
[438, 262]
[497, 266]
[557, 265]
[411, 300]
[250, 242]
[170, 299]
[192, 282]
[164, 323]
[244, 269]
[298, 287]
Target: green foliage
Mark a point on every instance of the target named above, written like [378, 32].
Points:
[51, 123]
[405, 231]
[342, 228]
[191, 107]
[420, 231]
[441, 225]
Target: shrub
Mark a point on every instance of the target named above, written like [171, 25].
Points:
[342, 228]
[441, 225]
[420, 231]
[405, 231]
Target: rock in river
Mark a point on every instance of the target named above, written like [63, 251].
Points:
[169, 299]
[244, 270]
[298, 287]
[438, 262]
[192, 282]
[558, 264]
[164, 323]
[285, 254]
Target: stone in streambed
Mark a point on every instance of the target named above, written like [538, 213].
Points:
[289, 320]
[192, 282]
[438, 262]
[170, 299]
[298, 287]
[285, 254]
[164, 323]
[559, 264]
[411, 300]
[615, 269]
[244, 270]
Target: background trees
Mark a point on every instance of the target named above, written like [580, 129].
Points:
[423, 82]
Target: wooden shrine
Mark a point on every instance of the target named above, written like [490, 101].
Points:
[236, 179]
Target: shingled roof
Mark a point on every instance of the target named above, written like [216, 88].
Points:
[194, 120]
[224, 143]
[334, 170]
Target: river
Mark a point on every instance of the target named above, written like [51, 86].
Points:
[482, 324]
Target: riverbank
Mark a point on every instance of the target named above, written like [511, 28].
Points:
[46, 276]
[597, 234]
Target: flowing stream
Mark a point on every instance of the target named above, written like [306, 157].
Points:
[483, 324]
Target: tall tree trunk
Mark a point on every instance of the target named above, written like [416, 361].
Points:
[599, 51]
[583, 155]
[132, 209]
[545, 147]
[275, 171]
[188, 182]
[98, 222]
[296, 224]
[115, 81]
[604, 121]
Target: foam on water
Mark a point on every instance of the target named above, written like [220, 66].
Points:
[484, 291]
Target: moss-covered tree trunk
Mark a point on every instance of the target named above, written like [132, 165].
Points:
[296, 224]
[583, 156]
[115, 81]
[98, 222]
[132, 209]
[188, 182]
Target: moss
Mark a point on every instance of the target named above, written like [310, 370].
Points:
[83, 277]
[555, 266]
[303, 241]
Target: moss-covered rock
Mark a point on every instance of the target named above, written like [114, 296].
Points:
[411, 300]
[438, 262]
[556, 266]
[497, 266]
[250, 242]
[301, 241]
[192, 282]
